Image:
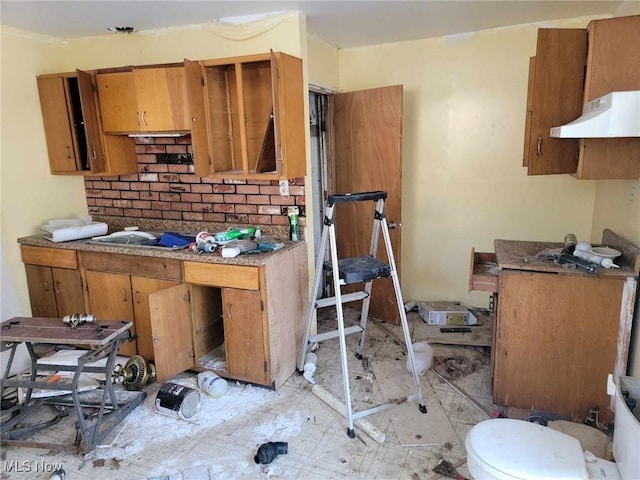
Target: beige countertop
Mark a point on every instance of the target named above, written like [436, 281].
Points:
[251, 259]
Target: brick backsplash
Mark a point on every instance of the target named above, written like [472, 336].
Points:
[174, 192]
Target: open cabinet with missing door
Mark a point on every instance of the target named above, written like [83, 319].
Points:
[248, 116]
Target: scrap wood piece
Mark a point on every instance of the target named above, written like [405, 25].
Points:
[341, 408]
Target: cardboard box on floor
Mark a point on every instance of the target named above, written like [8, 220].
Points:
[445, 313]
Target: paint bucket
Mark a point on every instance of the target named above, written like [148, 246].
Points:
[177, 400]
[422, 356]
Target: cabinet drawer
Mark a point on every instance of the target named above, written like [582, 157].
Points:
[219, 275]
[483, 272]
[162, 268]
[49, 257]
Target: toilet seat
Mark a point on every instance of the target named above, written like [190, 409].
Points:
[508, 449]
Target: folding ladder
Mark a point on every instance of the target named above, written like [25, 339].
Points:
[362, 269]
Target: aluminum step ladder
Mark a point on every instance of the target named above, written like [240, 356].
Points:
[346, 271]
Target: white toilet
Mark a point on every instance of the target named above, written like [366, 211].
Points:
[507, 449]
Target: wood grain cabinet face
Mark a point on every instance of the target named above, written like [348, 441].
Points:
[244, 335]
[144, 100]
[247, 116]
[54, 292]
[554, 98]
[53, 280]
[75, 140]
[556, 341]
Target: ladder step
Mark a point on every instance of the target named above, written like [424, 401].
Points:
[347, 297]
[360, 269]
[321, 337]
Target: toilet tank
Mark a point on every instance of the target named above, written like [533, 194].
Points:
[626, 434]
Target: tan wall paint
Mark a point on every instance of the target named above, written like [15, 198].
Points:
[464, 186]
[30, 194]
[323, 63]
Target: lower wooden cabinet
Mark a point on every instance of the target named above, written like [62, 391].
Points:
[244, 322]
[560, 332]
[53, 280]
[114, 296]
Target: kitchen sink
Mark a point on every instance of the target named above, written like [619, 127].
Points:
[138, 239]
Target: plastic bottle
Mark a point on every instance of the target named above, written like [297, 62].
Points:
[422, 356]
[212, 384]
[597, 259]
[294, 232]
[310, 361]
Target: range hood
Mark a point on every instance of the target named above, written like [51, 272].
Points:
[616, 114]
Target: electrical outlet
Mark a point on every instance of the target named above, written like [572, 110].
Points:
[284, 188]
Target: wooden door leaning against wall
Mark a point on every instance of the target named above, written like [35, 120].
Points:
[366, 135]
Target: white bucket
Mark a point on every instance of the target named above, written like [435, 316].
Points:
[422, 356]
[212, 384]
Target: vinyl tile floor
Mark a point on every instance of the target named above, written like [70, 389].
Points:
[222, 438]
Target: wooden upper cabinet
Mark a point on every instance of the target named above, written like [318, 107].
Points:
[554, 98]
[75, 140]
[247, 116]
[613, 65]
[142, 100]
[567, 72]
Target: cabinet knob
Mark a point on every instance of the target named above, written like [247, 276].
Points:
[156, 339]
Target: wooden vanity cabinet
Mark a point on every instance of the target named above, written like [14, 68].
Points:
[75, 140]
[571, 68]
[53, 281]
[247, 116]
[142, 100]
[560, 332]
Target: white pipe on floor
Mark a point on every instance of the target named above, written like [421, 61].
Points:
[341, 408]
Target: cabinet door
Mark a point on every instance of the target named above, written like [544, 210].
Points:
[170, 318]
[142, 287]
[118, 104]
[41, 294]
[57, 126]
[556, 99]
[613, 65]
[194, 82]
[110, 299]
[88, 104]
[67, 287]
[244, 335]
[289, 119]
[162, 99]
[556, 341]
[54, 292]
